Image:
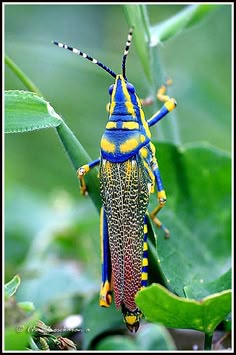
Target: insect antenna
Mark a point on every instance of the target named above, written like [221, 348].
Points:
[128, 43]
[86, 56]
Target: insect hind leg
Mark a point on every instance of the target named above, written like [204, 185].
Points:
[161, 195]
[151, 165]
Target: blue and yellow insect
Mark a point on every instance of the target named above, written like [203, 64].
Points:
[128, 173]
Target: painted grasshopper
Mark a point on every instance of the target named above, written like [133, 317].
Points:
[128, 173]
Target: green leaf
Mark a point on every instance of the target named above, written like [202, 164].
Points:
[188, 17]
[193, 261]
[26, 111]
[197, 181]
[161, 306]
[11, 287]
[197, 291]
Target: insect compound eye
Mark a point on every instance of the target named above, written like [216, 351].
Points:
[130, 88]
[111, 89]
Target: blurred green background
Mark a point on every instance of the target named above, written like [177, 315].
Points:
[49, 226]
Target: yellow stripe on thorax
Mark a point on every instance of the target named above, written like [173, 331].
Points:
[108, 146]
[111, 125]
[111, 107]
[129, 145]
[144, 122]
[130, 108]
[130, 125]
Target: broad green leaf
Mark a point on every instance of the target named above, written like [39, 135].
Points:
[189, 16]
[161, 306]
[197, 291]
[197, 181]
[26, 111]
[11, 287]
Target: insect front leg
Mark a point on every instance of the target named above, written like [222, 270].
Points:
[84, 169]
[169, 105]
[106, 288]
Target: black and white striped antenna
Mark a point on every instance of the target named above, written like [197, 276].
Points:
[95, 61]
[86, 56]
[128, 43]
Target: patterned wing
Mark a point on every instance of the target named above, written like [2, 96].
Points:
[125, 196]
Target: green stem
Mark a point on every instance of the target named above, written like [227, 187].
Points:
[21, 75]
[168, 129]
[208, 341]
[78, 157]
[146, 23]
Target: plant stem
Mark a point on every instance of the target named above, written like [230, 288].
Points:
[208, 341]
[78, 156]
[21, 75]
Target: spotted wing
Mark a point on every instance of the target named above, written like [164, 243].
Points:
[125, 196]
